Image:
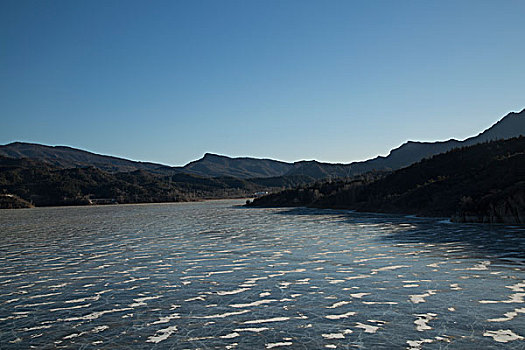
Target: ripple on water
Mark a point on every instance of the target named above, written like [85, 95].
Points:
[212, 275]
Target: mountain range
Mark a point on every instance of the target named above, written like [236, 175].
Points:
[213, 165]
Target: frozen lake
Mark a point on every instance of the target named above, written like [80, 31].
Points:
[214, 275]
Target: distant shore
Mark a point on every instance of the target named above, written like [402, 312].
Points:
[8, 201]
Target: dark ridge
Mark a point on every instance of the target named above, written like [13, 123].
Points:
[68, 157]
[214, 165]
[480, 183]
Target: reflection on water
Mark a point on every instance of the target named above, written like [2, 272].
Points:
[215, 275]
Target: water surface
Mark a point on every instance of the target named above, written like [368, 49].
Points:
[216, 275]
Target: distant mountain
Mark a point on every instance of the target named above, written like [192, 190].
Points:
[512, 125]
[318, 170]
[211, 165]
[214, 165]
[68, 157]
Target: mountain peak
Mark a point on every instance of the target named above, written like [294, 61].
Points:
[209, 155]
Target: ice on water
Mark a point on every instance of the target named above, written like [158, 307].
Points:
[217, 275]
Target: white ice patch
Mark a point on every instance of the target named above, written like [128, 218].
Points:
[165, 319]
[514, 298]
[455, 286]
[226, 314]
[254, 280]
[73, 335]
[36, 328]
[389, 268]
[162, 334]
[303, 281]
[336, 281]
[482, 266]
[141, 301]
[255, 330]
[420, 298]
[99, 329]
[368, 328]
[359, 295]
[422, 321]
[231, 292]
[357, 277]
[338, 304]
[503, 335]
[208, 274]
[518, 287]
[70, 308]
[379, 302]
[337, 317]
[416, 344]
[281, 273]
[508, 315]
[266, 320]
[337, 335]
[44, 295]
[200, 298]
[230, 335]
[275, 345]
[434, 265]
[94, 315]
[255, 303]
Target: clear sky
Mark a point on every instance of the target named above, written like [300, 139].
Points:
[337, 81]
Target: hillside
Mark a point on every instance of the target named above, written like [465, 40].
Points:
[512, 125]
[480, 183]
[25, 181]
[43, 184]
[68, 157]
[214, 165]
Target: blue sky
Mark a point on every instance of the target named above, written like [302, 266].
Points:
[336, 81]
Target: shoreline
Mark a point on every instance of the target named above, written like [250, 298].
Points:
[443, 219]
[125, 204]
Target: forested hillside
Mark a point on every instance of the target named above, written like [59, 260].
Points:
[480, 183]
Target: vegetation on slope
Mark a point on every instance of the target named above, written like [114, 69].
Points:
[43, 184]
[214, 165]
[480, 183]
[68, 157]
[11, 201]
